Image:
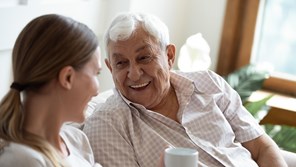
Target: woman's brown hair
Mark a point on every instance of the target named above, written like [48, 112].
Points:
[46, 45]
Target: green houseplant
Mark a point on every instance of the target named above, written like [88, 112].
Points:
[245, 81]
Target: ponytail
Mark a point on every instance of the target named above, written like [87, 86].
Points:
[11, 123]
[11, 116]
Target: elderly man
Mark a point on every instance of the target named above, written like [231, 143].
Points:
[153, 107]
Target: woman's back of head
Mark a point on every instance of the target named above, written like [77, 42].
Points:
[46, 45]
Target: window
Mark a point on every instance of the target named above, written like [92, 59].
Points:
[261, 32]
[275, 38]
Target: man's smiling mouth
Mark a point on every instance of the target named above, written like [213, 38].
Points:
[140, 85]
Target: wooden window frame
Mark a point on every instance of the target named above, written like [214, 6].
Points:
[237, 41]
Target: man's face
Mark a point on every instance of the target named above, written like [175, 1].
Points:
[140, 68]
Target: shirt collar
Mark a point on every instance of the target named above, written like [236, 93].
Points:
[130, 103]
[181, 84]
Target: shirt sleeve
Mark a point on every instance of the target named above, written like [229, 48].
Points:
[19, 155]
[242, 122]
[110, 144]
[15, 161]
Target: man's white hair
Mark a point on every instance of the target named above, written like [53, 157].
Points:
[124, 25]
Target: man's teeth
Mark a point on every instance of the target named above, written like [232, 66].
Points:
[141, 85]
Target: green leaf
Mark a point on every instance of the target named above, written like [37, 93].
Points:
[246, 80]
[284, 136]
[255, 107]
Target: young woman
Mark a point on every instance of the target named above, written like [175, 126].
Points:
[56, 61]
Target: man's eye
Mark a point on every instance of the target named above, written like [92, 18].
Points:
[121, 64]
[145, 59]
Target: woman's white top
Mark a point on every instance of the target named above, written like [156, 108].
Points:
[80, 152]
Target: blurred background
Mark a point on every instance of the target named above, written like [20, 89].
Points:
[183, 18]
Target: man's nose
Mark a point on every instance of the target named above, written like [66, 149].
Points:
[134, 72]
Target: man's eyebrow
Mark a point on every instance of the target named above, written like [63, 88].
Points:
[116, 55]
[143, 47]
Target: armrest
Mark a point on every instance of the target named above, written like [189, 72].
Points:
[289, 157]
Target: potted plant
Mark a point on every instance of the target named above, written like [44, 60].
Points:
[245, 81]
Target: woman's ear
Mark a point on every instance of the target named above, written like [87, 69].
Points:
[66, 77]
[171, 53]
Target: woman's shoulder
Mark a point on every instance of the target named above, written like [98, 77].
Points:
[74, 137]
[80, 151]
[15, 154]
[72, 133]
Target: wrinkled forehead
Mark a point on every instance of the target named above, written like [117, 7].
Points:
[139, 38]
[138, 32]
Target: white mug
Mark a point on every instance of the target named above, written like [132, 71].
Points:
[180, 157]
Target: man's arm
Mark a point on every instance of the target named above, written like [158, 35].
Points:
[265, 152]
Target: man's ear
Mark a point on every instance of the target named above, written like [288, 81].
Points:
[171, 53]
[66, 77]
[107, 62]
